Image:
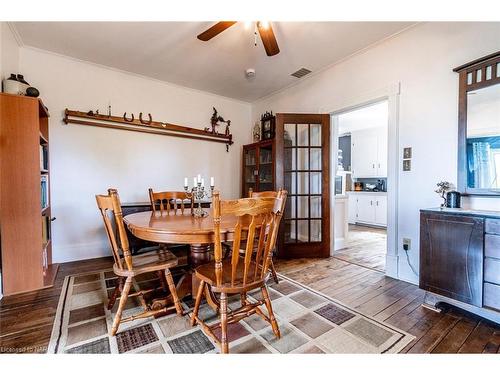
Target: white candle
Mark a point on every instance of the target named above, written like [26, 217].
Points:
[185, 182]
[194, 181]
[199, 178]
[202, 182]
[212, 181]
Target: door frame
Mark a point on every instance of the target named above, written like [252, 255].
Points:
[390, 93]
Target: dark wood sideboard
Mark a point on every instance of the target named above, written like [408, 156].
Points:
[460, 258]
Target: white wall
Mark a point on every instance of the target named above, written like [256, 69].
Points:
[421, 59]
[9, 52]
[87, 160]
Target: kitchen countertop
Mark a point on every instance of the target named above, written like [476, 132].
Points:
[367, 192]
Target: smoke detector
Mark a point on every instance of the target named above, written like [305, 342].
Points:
[250, 73]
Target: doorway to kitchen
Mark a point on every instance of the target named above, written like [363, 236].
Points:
[361, 180]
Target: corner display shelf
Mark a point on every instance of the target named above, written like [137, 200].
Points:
[25, 213]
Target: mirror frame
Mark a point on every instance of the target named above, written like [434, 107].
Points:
[464, 87]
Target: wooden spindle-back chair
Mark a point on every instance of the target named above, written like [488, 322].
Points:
[166, 201]
[257, 221]
[126, 266]
[268, 194]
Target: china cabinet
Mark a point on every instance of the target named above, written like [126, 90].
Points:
[259, 164]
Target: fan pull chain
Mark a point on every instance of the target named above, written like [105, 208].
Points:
[255, 35]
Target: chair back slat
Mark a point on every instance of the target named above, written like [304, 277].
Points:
[249, 247]
[110, 206]
[258, 218]
[236, 242]
[166, 201]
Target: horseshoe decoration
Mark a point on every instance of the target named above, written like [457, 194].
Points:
[145, 122]
[126, 119]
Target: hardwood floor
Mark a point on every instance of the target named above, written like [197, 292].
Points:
[366, 246]
[26, 319]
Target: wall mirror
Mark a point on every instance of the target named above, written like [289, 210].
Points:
[479, 126]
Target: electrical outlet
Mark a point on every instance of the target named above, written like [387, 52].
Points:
[406, 244]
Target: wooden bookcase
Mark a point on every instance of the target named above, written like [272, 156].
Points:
[26, 258]
[259, 167]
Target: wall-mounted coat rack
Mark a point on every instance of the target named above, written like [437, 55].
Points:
[145, 126]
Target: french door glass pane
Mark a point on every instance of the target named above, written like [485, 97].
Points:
[315, 182]
[315, 207]
[315, 159]
[303, 207]
[302, 159]
[303, 134]
[290, 163]
[290, 231]
[290, 135]
[315, 134]
[302, 182]
[315, 230]
[302, 231]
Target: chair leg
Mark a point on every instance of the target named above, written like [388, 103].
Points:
[199, 295]
[116, 293]
[121, 306]
[269, 308]
[273, 272]
[223, 323]
[173, 291]
[162, 280]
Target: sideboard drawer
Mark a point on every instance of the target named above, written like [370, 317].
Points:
[491, 296]
[492, 270]
[492, 246]
[492, 226]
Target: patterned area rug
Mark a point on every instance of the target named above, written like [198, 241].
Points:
[310, 322]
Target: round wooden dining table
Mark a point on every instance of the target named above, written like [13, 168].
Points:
[182, 229]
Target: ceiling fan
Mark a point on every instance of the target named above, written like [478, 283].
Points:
[265, 31]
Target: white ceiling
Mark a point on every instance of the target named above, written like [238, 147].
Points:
[170, 51]
[371, 116]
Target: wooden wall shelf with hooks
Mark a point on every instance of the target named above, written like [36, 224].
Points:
[151, 127]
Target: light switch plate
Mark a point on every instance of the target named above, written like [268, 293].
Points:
[407, 153]
[407, 165]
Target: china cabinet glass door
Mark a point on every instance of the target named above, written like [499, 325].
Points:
[249, 170]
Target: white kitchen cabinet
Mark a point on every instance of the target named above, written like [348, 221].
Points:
[369, 152]
[368, 208]
[352, 207]
[381, 210]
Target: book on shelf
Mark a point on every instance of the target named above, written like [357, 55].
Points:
[44, 190]
[44, 158]
[45, 230]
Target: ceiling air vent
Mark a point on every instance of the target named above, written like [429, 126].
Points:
[301, 73]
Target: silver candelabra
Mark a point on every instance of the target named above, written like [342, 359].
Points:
[197, 193]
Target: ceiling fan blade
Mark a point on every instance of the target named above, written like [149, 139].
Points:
[215, 30]
[268, 39]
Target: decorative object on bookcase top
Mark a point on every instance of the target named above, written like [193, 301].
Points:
[256, 132]
[11, 85]
[32, 92]
[443, 187]
[92, 118]
[268, 125]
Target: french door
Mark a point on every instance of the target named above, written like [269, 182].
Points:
[302, 168]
